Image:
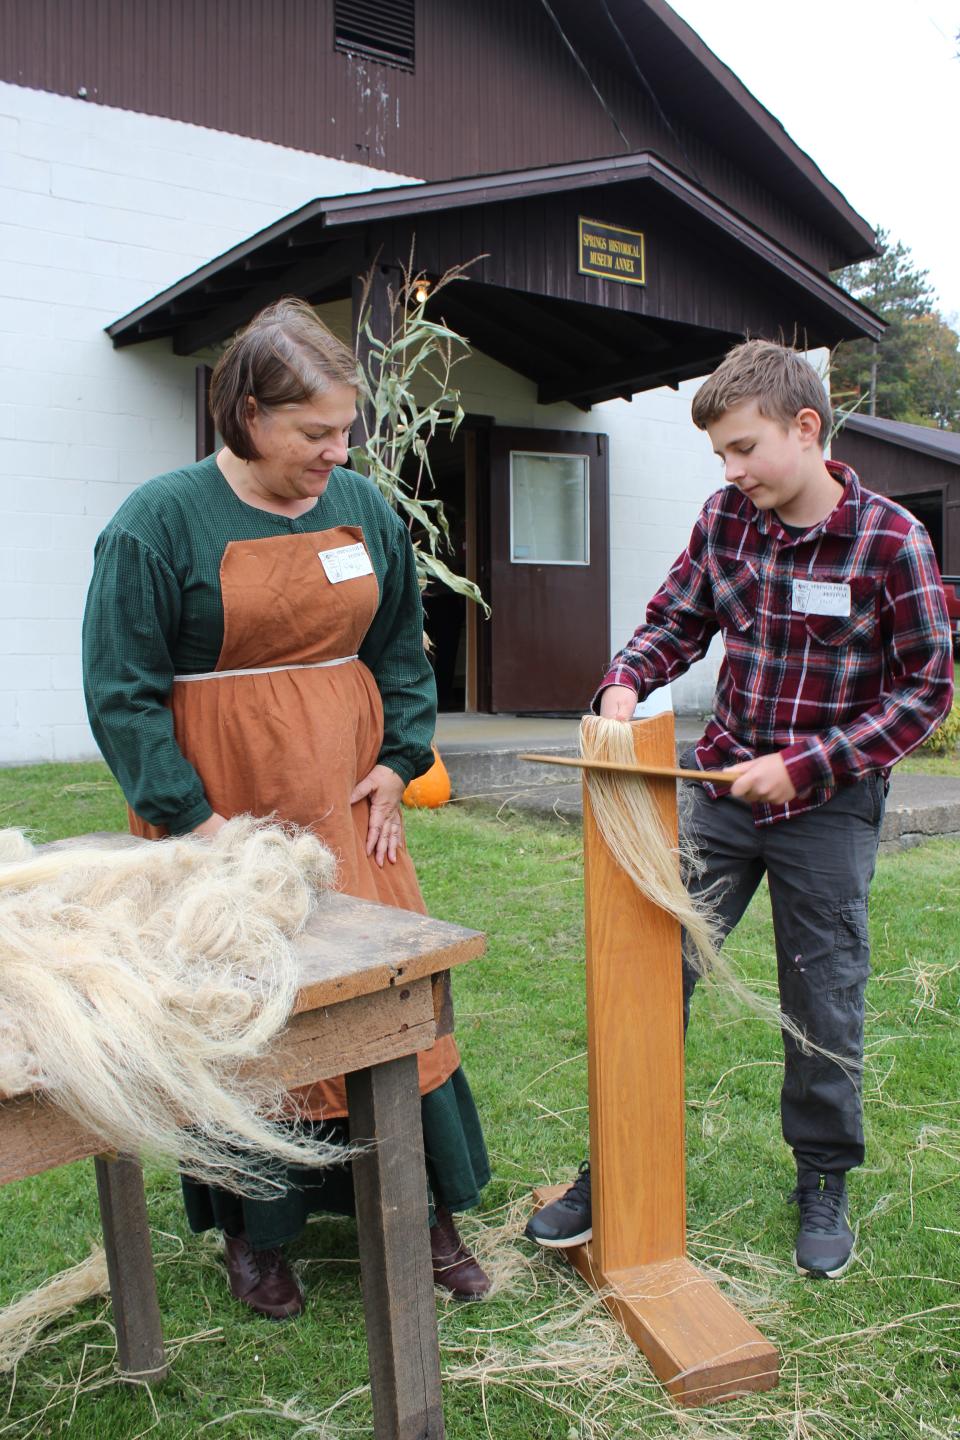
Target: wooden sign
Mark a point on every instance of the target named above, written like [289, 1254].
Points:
[611, 252]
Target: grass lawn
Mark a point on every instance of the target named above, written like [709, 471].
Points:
[923, 762]
[875, 1354]
[929, 765]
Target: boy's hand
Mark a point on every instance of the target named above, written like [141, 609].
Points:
[618, 702]
[764, 781]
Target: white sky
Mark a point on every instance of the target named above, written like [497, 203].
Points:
[870, 89]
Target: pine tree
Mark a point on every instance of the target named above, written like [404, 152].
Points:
[935, 373]
[881, 371]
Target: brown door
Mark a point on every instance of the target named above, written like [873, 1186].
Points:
[549, 573]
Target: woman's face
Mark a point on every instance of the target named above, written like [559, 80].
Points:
[299, 445]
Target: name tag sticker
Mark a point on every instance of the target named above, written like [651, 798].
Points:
[347, 562]
[821, 597]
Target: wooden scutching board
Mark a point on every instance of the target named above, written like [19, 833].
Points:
[697, 1343]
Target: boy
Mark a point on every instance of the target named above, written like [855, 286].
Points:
[837, 663]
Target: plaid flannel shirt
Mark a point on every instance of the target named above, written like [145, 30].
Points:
[840, 697]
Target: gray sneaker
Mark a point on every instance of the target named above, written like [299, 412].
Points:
[825, 1240]
[567, 1221]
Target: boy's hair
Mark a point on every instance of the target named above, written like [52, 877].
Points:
[782, 381]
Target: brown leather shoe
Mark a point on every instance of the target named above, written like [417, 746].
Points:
[262, 1279]
[454, 1268]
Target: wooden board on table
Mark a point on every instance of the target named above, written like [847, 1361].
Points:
[392, 1022]
[352, 947]
[36, 1135]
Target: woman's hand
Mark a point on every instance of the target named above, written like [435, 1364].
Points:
[618, 702]
[385, 831]
[210, 826]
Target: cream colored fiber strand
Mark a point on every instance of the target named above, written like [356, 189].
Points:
[23, 1320]
[136, 984]
[632, 830]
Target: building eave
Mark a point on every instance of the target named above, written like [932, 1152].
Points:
[304, 242]
[921, 439]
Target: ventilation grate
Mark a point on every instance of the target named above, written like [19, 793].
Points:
[382, 29]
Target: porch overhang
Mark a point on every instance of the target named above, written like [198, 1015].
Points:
[712, 277]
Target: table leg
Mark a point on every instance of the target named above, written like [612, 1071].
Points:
[133, 1285]
[395, 1268]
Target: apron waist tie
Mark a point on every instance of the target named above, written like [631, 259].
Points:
[269, 669]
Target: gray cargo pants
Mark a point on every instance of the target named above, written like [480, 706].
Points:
[819, 866]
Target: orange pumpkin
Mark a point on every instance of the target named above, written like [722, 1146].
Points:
[428, 791]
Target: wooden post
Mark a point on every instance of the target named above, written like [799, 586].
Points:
[133, 1286]
[383, 279]
[635, 1045]
[697, 1343]
[390, 1186]
[206, 431]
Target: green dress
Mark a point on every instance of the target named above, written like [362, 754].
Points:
[208, 637]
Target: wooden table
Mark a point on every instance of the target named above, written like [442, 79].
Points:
[373, 993]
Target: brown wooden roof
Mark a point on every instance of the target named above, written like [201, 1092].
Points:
[696, 90]
[924, 439]
[712, 277]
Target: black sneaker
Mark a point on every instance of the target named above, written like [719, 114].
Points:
[825, 1240]
[567, 1221]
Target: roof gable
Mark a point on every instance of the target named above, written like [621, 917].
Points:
[691, 86]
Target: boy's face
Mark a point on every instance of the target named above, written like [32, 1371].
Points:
[768, 461]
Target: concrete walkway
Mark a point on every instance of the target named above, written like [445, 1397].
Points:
[482, 753]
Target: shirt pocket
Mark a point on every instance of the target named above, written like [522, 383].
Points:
[736, 588]
[859, 628]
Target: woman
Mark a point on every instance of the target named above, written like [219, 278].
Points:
[253, 642]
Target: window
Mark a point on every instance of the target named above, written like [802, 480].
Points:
[549, 519]
[382, 29]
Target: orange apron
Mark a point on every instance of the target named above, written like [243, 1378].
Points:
[294, 742]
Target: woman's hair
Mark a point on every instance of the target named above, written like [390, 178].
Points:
[781, 380]
[284, 356]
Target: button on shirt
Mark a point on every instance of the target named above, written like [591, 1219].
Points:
[838, 696]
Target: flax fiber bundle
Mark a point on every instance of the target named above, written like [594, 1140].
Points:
[633, 832]
[22, 1322]
[136, 983]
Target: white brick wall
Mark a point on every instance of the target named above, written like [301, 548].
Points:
[100, 209]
